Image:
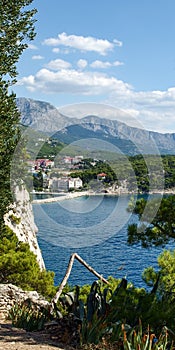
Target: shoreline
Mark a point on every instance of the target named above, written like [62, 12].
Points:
[67, 196]
[59, 198]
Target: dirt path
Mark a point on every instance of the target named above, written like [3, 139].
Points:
[18, 339]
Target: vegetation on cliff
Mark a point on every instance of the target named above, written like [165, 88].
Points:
[17, 264]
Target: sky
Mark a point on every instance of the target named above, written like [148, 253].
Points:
[118, 55]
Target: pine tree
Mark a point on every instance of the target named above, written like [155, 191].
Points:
[16, 30]
[18, 264]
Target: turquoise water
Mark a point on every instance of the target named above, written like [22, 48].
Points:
[95, 228]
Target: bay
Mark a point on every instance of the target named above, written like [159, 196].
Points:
[95, 227]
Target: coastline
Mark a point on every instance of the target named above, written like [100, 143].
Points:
[60, 198]
[66, 196]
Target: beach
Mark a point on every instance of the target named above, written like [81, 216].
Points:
[72, 195]
[61, 197]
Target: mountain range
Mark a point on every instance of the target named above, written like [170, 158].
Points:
[44, 117]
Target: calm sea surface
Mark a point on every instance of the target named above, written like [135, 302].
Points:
[96, 228]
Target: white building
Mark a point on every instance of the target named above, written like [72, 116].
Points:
[78, 182]
[65, 184]
[71, 182]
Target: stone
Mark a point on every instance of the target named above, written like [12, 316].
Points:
[11, 294]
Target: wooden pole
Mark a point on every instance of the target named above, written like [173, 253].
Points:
[83, 262]
[67, 274]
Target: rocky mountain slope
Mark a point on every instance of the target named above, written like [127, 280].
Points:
[40, 115]
[44, 117]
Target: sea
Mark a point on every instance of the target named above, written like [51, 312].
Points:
[94, 227]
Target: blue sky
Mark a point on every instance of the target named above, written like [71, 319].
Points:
[117, 53]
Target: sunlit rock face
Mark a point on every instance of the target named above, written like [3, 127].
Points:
[20, 219]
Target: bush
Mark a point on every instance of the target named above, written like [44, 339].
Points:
[15, 220]
[19, 266]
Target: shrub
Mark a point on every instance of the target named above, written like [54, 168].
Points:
[19, 266]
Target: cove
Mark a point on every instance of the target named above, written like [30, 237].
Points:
[95, 227]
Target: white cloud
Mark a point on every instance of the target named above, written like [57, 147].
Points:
[118, 42]
[153, 109]
[32, 47]
[105, 64]
[58, 64]
[37, 57]
[155, 99]
[30, 81]
[56, 50]
[82, 63]
[101, 46]
[74, 82]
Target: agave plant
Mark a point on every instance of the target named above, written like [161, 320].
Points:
[28, 316]
[97, 322]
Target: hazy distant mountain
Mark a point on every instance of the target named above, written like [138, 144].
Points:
[41, 115]
[44, 117]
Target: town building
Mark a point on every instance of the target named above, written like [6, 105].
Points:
[65, 184]
[101, 176]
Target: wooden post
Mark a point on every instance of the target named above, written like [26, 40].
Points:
[67, 274]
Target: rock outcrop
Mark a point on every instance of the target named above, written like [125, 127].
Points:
[10, 294]
[20, 219]
[41, 116]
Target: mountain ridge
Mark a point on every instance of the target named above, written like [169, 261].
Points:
[46, 118]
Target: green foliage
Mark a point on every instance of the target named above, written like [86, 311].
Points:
[169, 170]
[16, 220]
[38, 181]
[162, 227]
[163, 309]
[91, 170]
[137, 339]
[166, 263]
[8, 139]
[141, 173]
[16, 28]
[29, 316]
[50, 149]
[144, 173]
[102, 309]
[111, 315]
[18, 265]
[106, 309]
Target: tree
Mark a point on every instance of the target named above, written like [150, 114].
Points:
[16, 26]
[18, 265]
[38, 181]
[163, 310]
[161, 229]
[16, 29]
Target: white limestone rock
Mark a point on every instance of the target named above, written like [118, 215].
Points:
[20, 219]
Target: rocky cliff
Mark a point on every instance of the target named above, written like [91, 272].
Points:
[21, 220]
[41, 116]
